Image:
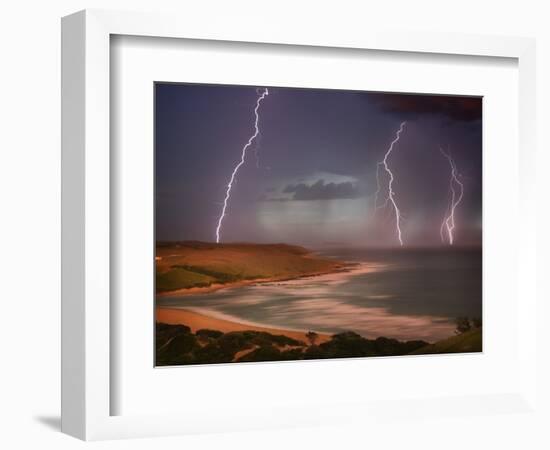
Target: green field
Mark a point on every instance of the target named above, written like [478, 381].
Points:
[178, 278]
[182, 265]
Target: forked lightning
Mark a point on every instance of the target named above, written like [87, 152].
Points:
[262, 94]
[391, 194]
[448, 224]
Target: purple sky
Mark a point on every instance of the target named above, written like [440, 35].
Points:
[318, 154]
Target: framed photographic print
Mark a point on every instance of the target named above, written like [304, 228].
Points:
[253, 216]
[340, 225]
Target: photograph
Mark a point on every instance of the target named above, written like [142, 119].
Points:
[300, 224]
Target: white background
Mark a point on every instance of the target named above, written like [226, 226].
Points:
[30, 187]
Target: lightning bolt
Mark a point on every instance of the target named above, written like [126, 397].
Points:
[391, 194]
[257, 149]
[263, 95]
[448, 223]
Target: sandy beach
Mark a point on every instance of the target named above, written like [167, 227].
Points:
[197, 321]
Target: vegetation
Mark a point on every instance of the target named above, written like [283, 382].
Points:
[462, 325]
[350, 345]
[312, 337]
[177, 345]
[467, 342]
[213, 334]
[465, 324]
[183, 265]
[178, 277]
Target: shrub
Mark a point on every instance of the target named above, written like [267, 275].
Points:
[263, 338]
[232, 342]
[175, 329]
[462, 325]
[348, 345]
[314, 352]
[205, 332]
[266, 353]
[177, 350]
[165, 332]
[183, 343]
[212, 353]
[388, 347]
[311, 336]
[293, 354]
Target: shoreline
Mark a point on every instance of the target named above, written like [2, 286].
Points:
[340, 267]
[213, 348]
[197, 321]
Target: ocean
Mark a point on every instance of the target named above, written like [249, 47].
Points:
[400, 293]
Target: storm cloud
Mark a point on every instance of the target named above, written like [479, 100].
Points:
[464, 109]
[322, 191]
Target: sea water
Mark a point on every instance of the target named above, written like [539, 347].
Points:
[403, 294]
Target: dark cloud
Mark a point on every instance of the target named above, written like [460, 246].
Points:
[266, 198]
[276, 199]
[321, 191]
[465, 109]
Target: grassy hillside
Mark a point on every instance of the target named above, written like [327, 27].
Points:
[184, 265]
[178, 277]
[468, 342]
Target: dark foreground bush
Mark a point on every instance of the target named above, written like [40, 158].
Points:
[214, 334]
[266, 353]
[233, 342]
[348, 345]
[175, 344]
[352, 345]
[176, 349]
[165, 332]
[212, 353]
[292, 354]
[314, 352]
[281, 340]
[263, 338]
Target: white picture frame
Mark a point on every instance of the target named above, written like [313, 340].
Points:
[86, 217]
